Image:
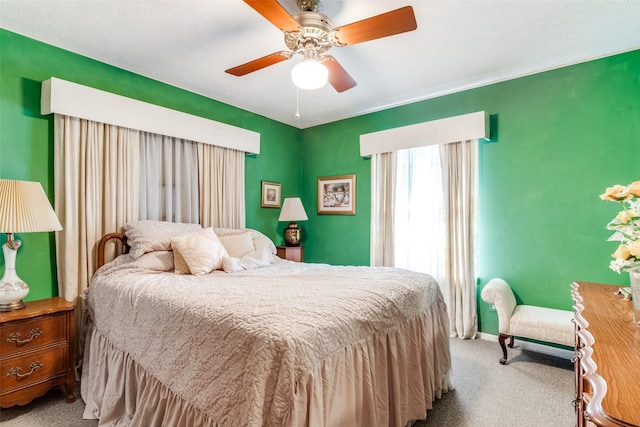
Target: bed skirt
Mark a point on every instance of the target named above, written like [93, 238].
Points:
[391, 379]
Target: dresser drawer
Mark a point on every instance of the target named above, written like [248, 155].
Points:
[23, 371]
[31, 334]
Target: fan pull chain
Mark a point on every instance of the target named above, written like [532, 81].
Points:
[297, 104]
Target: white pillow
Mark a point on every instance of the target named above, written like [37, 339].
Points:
[148, 236]
[238, 245]
[202, 251]
[257, 259]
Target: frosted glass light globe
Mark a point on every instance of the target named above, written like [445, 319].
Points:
[309, 74]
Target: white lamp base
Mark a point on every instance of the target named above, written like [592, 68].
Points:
[12, 288]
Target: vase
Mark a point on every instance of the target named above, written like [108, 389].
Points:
[12, 288]
[635, 295]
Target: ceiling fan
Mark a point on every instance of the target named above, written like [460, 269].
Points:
[311, 34]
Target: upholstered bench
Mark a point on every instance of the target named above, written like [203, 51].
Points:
[527, 321]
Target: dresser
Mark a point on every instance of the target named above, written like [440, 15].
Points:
[37, 351]
[607, 358]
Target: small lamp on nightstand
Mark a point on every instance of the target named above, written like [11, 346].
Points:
[292, 210]
[24, 208]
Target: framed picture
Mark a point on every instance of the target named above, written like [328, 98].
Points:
[270, 194]
[337, 195]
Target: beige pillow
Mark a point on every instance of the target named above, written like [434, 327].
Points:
[238, 245]
[181, 266]
[202, 251]
[148, 235]
[259, 240]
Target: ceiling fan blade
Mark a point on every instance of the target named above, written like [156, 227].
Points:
[274, 13]
[258, 64]
[338, 76]
[383, 25]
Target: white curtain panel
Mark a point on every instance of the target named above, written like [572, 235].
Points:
[459, 178]
[221, 178]
[96, 192]
[168, 179]
[383, 187]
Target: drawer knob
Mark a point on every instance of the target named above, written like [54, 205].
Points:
[15, 372]
[15, 337]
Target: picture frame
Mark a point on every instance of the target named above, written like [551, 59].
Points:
[271, 194]
[337, 195]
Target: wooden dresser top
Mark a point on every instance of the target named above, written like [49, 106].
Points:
[37, 308]
[616, 347]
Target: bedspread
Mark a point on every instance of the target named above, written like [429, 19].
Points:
[245, 348]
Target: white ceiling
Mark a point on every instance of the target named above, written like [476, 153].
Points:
[458, 45]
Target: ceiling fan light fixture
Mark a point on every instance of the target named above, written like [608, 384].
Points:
[309, 74]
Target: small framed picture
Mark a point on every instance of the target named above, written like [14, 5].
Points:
[337, 195]
[270, 194]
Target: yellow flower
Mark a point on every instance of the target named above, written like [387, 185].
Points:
[634, 249]
[621, 253]
[615, 193]
[632, 189]
[625, 216]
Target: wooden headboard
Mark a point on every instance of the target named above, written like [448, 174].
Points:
[103, 243]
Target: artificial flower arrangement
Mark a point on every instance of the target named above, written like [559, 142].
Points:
[626, 226]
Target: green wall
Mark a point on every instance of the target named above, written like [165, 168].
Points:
[26, 138]
[559, 138]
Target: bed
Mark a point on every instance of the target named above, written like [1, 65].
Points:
[257, 341]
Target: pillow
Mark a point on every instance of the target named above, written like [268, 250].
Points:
[148, 236]
[259, 240]
[157, 261]
[257, 259]
[238, 245]
[181, 266]
[202, 251]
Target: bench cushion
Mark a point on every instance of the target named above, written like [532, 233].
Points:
[544, 324]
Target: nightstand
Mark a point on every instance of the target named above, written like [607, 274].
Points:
[292, 253]
[37, 351]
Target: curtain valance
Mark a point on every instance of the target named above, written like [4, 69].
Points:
[74, 100]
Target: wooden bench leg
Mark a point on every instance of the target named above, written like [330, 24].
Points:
[501, 340]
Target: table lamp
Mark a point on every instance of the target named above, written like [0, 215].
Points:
[24, 208]
[292, 210]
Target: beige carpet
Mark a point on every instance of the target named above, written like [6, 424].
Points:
[531, 390]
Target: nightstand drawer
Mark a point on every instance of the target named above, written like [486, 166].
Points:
[31, 334]
[23, 371]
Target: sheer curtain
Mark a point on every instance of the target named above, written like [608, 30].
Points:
[419, 221]
[168, 179]
[383, 187]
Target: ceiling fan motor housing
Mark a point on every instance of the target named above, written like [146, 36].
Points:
[313, 33]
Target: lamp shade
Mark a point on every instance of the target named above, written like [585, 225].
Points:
[25, 208]
[292, 210]
[309, 74]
